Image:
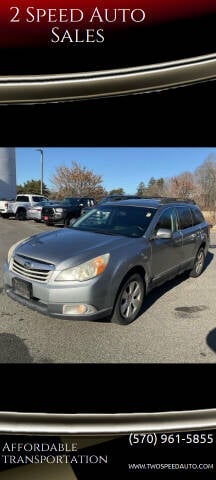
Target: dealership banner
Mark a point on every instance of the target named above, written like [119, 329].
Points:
[94, 50]
[25, 23]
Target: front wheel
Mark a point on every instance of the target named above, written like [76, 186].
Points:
[69, 221]
[129, 300]
[198, 264]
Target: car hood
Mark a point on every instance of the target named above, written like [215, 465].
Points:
[70, 247]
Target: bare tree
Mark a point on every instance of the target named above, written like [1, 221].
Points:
[117, 191]
[155, 187]
[181, 186]
[77, 181]
[141, 189]
[205, 179]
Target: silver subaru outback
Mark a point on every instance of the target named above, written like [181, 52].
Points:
[106, 262]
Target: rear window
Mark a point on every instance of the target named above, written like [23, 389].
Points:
[22, 198]
[185, 217]
[197, 216]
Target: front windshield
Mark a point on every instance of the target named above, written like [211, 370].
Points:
[130, 221]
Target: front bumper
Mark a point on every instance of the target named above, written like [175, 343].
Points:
[34, 216]
[51, 298]
[54, 218]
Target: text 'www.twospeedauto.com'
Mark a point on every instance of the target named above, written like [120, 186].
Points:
[171, 466]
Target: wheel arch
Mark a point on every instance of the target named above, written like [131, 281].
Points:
[136, 269]
[20, 209]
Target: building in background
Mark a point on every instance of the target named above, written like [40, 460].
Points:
[7, 173]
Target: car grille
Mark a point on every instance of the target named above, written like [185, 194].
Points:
[34, 271]
[48, 211]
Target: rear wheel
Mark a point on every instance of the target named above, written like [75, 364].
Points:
[21, 214]
[198, 264]
[129, 300]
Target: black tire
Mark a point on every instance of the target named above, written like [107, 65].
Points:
[129, 300]
[198, 263]
[67, 221]
[21, 214]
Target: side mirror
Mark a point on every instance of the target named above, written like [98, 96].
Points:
[164, 233]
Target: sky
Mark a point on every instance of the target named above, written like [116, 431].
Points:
[119, 167]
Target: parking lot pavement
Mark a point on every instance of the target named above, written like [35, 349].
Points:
[178, 324]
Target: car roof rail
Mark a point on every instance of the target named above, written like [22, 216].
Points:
[170, 199]
[178, 200]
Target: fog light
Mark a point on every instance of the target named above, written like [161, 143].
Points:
[78, 309]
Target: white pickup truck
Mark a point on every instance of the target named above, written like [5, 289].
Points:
[18, 208]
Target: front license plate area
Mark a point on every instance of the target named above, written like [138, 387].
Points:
[22, 288]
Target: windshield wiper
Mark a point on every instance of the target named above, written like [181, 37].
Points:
[103, 232]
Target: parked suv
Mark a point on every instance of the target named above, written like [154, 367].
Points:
[63, 212]
[108, 260]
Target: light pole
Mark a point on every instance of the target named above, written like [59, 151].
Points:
[41, 158]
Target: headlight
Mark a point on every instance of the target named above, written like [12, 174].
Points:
[86, 270]
[14, 246]
[59, 210]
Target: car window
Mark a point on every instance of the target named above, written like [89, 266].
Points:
[168, 220]
[22, 198]
[185, 217]
[85, 202]
[117, 220]
[37, 199]
[197, 216]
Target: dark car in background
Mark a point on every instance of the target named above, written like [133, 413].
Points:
[62, 213]
[108, 260]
